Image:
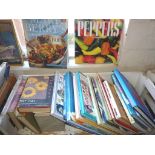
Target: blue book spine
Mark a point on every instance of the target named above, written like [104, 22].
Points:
[132, 112]
[125, 99]
[130, 93]
[69, 102]
[84, 113]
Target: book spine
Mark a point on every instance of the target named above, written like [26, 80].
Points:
[131, 94]
[150, 87]
[112, 100]
[101, 90]
[69, 95]
[130, 109]
[11, 96]
[76, 98]
[85, 97]
[99, 101]
[94, 101]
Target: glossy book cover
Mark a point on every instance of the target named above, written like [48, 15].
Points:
[97, 41]
[86, 105]
[38, 92]
[58, 98]
[46, 42]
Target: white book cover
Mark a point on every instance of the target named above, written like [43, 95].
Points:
[112, 100]
[96, 109]
[57, 105]
[151, 87]
[109, 111]
[76, 98]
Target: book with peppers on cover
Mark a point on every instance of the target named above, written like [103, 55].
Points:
[97, 41]
[37, 94]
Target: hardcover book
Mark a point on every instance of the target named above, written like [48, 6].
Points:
[9, 46]
[57, 107]
[46, 41]
[135, 100]
[37, 94]
[86, 105]
[97, 41]
[135, 119]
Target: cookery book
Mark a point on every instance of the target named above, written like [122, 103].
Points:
[85, 98]
[57, 107]
[46, 42]
[133, 97]
[97, 41]
[37, 94]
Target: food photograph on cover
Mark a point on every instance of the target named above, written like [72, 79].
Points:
[80, 100]
[97, 41]
[46, 42]
[9, 46]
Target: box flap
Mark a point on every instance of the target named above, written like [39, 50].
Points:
[138, 52]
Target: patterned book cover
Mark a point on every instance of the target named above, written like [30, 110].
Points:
[38, 92]
[97, 41]
[46, 42]
[58, 98]
[86, 105]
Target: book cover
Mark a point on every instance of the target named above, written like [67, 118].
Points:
[135, 118]
[133, 96]
[9, 45]
[97, 41]
[86, 105]
[57, 107]
[85, 121]
[46, 42]
[103, 95]
[37, 94]
[99, 101]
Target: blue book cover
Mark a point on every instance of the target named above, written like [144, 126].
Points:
[86, 105]
[131, 93]
[46, 42]
[132, 111]
[69, 107]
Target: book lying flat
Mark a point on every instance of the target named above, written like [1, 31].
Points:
[37, 94]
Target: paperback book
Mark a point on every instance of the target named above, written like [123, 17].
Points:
[46, 42]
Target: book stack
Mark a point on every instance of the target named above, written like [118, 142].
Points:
[78, 103]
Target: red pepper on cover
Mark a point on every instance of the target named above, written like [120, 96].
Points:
[115, 53]
[89, 59]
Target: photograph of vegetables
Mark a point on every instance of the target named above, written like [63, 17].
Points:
[97, 41]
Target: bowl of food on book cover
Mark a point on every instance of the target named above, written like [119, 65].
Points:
[46, 49]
